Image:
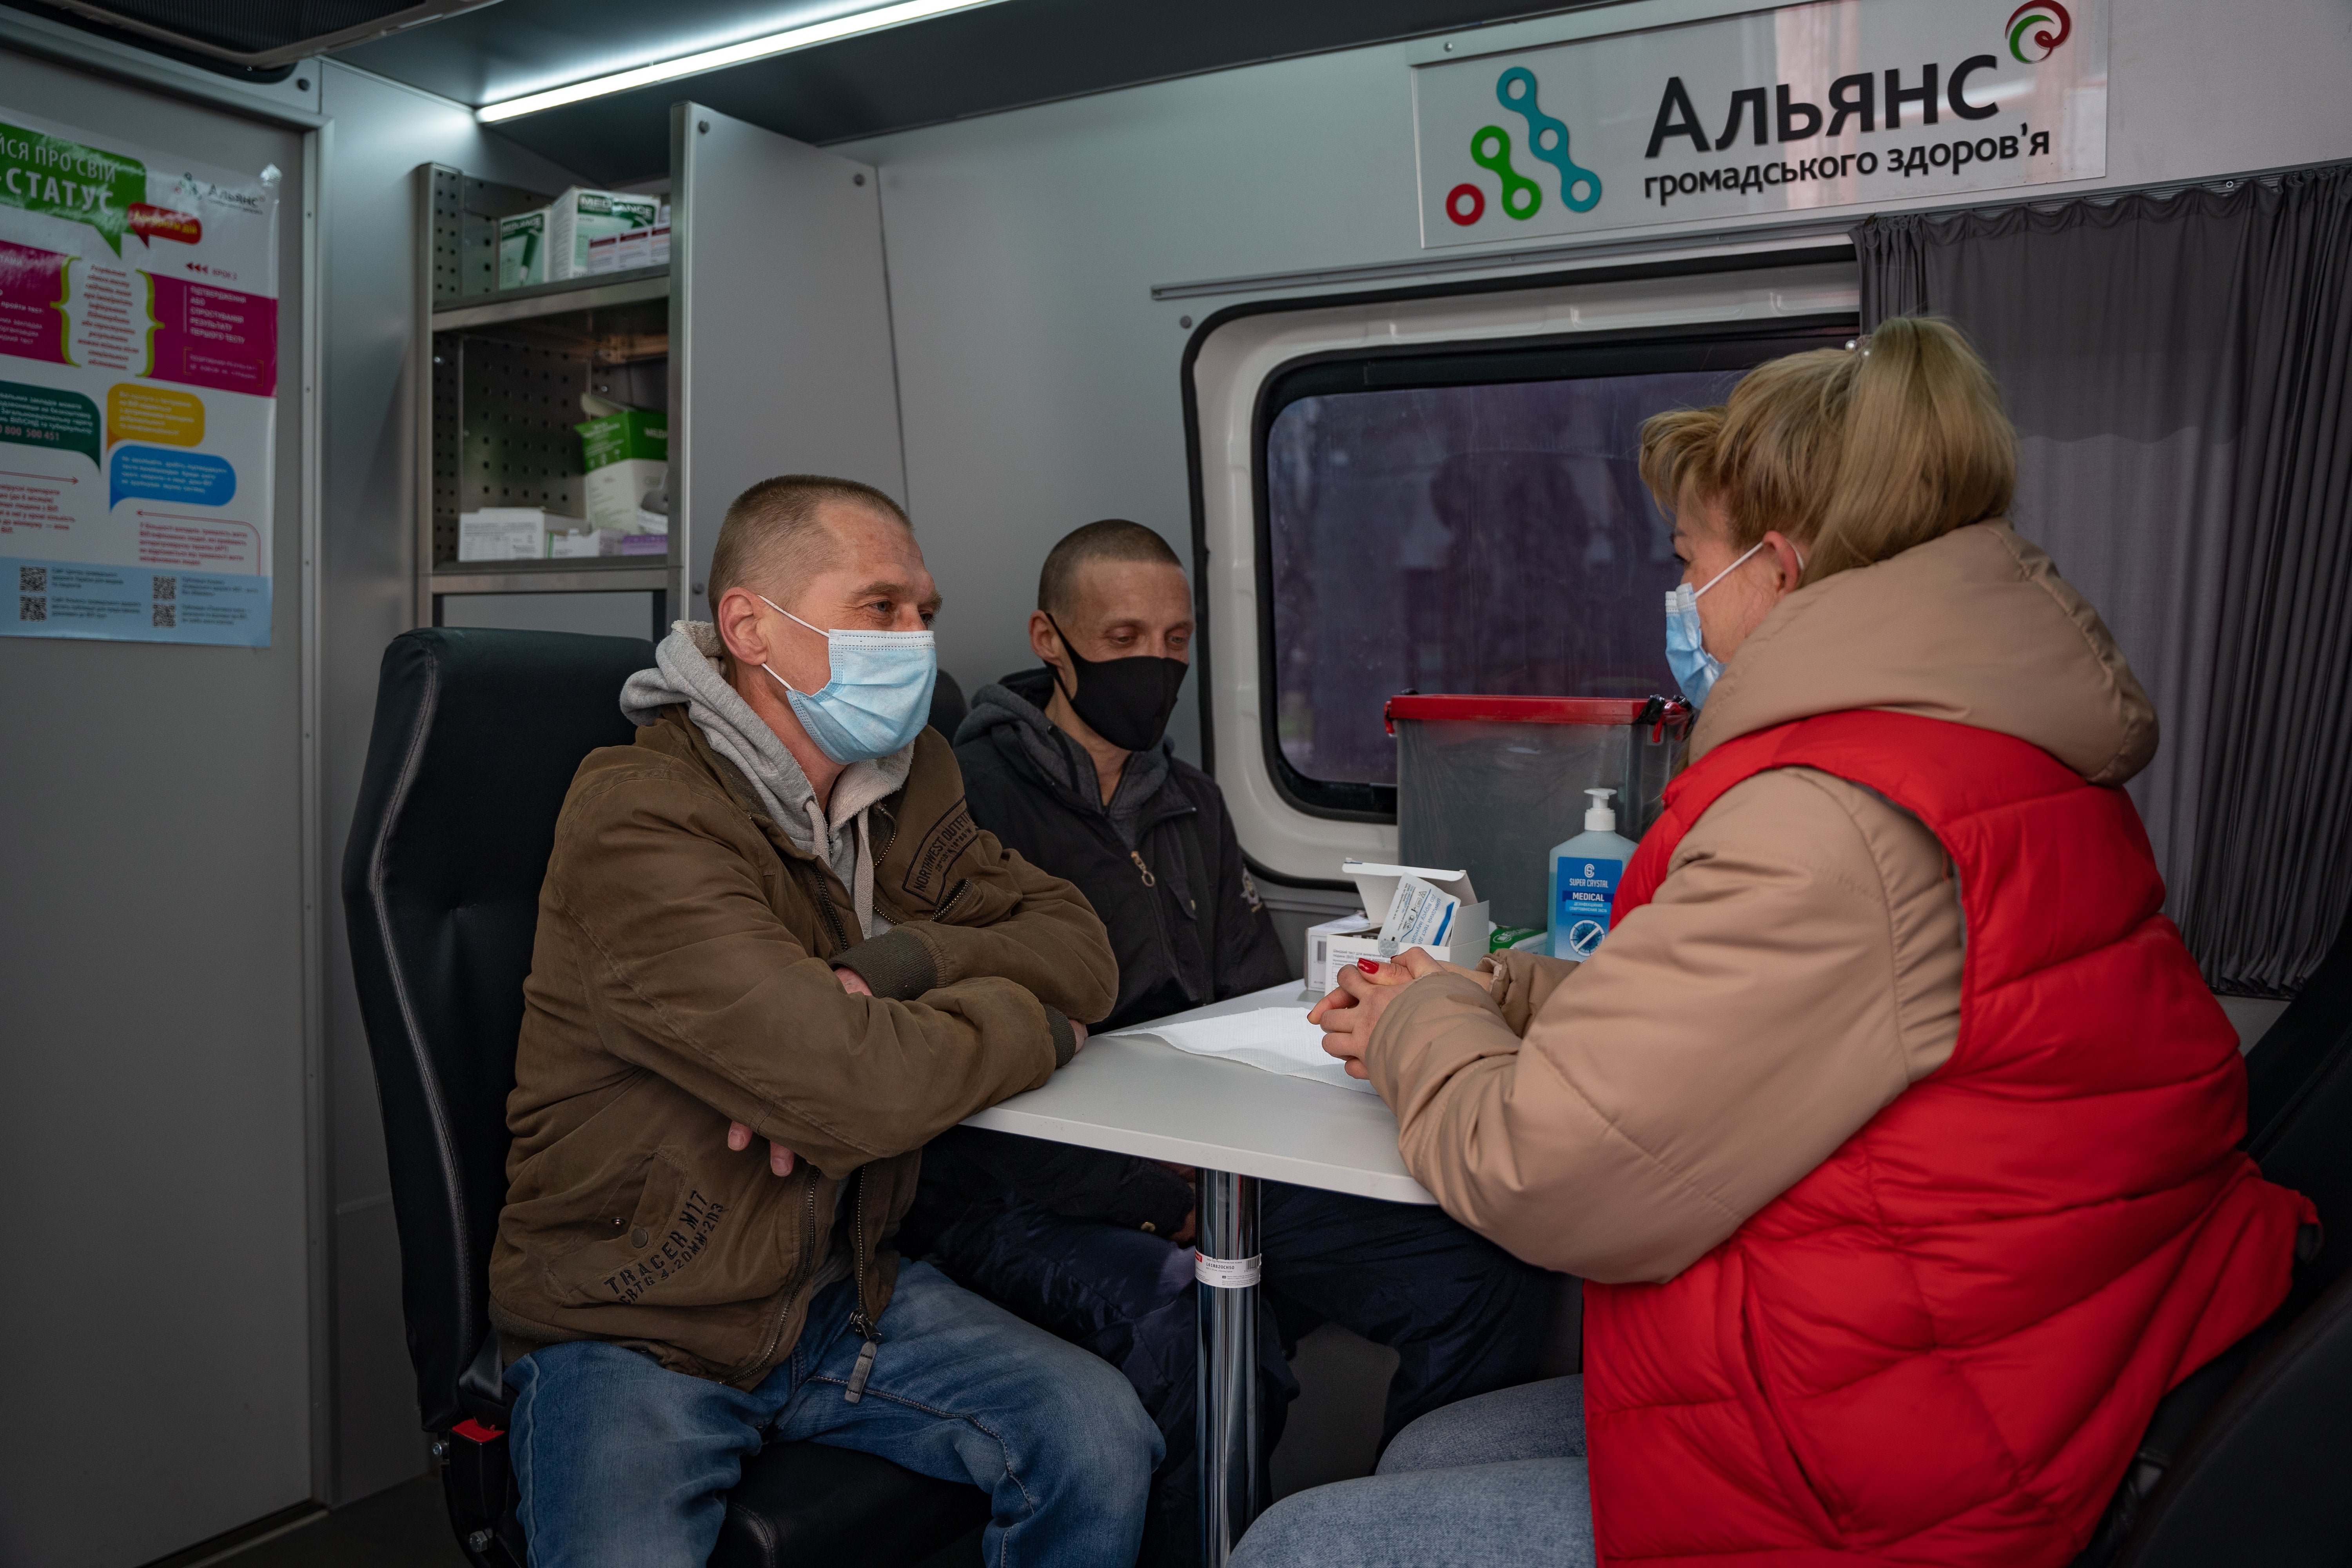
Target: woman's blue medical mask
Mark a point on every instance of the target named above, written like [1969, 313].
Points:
[880, 697]
[1696, 669]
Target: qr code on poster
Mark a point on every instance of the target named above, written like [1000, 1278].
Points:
[31, 609]
[167, 588]
[166, 616]
[32, 579]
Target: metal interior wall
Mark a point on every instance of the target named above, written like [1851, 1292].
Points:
[1040, 379]
[155, 1106]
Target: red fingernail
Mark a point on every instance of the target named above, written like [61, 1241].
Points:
[1368, 965]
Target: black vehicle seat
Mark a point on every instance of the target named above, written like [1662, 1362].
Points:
[2247, 1460]
[477, 736]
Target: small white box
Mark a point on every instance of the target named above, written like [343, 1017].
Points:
[577, 542]
[1460, 927]
[502, 533]
[1319, 969]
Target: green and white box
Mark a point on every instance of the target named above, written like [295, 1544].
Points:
[522, 248]
[580, 218]
[627, 454]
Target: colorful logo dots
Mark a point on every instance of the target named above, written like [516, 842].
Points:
[1490, 149]
[1465, 203]
[1580, 187]
[2041, 40]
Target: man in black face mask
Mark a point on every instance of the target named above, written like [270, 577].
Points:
[1066, 764]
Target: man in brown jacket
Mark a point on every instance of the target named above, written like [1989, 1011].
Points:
[774, 910]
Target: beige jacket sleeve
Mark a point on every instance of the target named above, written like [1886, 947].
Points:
[1798, 969]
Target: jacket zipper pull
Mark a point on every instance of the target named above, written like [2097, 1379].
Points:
[1149, 880]
[865, 1368]
[857, 1318]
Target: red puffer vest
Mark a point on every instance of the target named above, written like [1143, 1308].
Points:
[1942, 1345]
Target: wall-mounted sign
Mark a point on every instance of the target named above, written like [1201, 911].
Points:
[1842, 103]
[138, 391]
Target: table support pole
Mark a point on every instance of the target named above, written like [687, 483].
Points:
[1225, 1271]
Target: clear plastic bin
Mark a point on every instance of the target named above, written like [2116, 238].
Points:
[1490, 784]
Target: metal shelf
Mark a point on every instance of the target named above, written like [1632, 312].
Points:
[614, 574]
[553, 299]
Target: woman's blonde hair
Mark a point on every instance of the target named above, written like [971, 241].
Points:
[1855, 455]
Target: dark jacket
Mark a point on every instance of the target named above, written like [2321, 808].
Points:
[1162, 869]
[683, 978]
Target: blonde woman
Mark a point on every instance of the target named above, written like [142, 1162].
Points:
[1893, 1127]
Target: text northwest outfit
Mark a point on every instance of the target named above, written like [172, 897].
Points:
[697, 902]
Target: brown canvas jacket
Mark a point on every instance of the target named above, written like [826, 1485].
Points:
[682, 978]
[1799, 967]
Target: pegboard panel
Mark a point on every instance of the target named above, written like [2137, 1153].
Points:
[448, 233]
[517, 406]
[448, 428]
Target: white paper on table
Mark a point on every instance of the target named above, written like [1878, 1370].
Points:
[1273, 1039]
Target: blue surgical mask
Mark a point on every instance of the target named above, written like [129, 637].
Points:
[880, 697]
[1696, 669]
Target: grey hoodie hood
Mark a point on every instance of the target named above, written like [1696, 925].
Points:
[1014, 711]
[686, 669]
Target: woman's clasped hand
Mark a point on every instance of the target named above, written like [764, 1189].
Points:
[1353, 1009]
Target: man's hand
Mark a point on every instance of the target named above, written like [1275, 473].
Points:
[779, 1159]
[1188, 1231]
[1080, 1031]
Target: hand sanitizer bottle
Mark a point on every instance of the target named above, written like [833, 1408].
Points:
[1584, 873]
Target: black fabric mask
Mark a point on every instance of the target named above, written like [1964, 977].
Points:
[1127, 701]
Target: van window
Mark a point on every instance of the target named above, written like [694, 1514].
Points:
[1466, 522]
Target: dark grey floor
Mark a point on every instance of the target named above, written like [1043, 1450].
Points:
[405, 1527]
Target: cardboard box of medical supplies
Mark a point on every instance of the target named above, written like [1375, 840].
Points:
[522, 248]
[1405, 906]
[626, 453]
[580, 218]
[506, 533]
[632, 247]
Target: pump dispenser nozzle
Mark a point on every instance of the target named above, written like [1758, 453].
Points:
[1599, 817]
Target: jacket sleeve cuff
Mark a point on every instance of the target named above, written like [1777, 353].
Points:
[1427, 1031]
[896, 965]
[1523, 982]
[1066, 1039]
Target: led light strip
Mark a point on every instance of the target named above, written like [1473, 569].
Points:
[783, 42]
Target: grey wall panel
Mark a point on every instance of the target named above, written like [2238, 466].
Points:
[780, 324]
[1039, 377]
[151, 1085]
[382, 131]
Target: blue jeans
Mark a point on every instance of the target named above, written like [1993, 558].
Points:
[1462, 1315]
[1496, 1481]
[620, 1461]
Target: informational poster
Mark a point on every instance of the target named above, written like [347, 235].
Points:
[1840, 103]
[138, 390]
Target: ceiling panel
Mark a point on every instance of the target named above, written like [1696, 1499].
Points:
[996, 56]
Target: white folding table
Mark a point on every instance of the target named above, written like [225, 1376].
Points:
[1238, 1125]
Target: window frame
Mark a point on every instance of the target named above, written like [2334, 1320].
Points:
[1235, 348]
[1558, 356]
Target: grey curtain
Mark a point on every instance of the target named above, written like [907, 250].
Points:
[2176, 367]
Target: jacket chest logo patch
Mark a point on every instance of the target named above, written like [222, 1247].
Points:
[935, 856]
[698, 1217]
